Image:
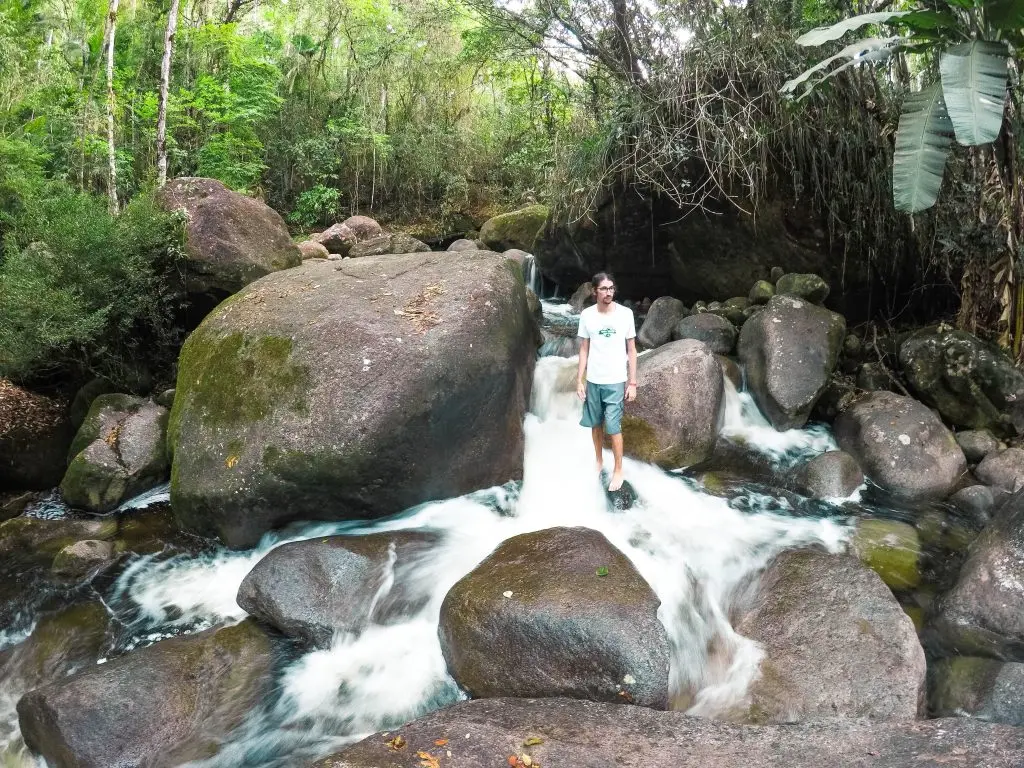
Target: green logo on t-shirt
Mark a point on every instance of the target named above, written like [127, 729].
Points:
[607, 332]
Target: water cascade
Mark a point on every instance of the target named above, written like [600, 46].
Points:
[697, 551]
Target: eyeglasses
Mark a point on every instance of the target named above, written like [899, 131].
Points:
[606, 289]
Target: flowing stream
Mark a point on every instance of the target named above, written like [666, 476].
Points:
[698, 551]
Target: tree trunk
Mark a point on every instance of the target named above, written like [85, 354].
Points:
[110, 31]
[165, 83]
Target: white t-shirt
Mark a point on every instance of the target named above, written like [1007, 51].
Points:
[608, 332]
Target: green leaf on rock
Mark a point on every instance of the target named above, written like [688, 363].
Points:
[602, 571]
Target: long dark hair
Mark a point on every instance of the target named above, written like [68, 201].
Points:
[596, 279]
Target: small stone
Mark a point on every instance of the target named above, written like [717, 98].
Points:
[976, 444]
[76, 560]
[507, 593]
[1004, 469]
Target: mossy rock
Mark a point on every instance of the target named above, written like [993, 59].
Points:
[32, 540]
[311, 393]
[761, 292]
[811, 287]
[77, 560]
[517, 229]
[891, 549]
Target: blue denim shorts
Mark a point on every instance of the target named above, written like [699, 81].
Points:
[604, 404]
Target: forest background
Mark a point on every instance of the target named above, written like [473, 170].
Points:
[431, 115]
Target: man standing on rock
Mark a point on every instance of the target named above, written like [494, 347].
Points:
[606, 375]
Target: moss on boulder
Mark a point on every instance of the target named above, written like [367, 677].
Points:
[517, 229]
[348, 390]
[891, 549]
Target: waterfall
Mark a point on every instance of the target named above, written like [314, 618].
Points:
[532, 276]
[697, 551]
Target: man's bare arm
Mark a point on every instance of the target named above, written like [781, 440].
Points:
[631, 382]
[581, 370]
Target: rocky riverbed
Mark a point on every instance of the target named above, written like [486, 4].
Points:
[380, 508]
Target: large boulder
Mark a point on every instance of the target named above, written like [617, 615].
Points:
[836, 643]
[337, 238]
[1004, 469]
[713, 330]
[582, 297]
[561, 733]
[901, 445]
[976, 444]
[120, 450]
[311, 249]
[231, 239]
[973, 384]
[830, 475]
[557, 612]
[309, 590]
[661, 318]
[35, 432]
[983, 615]
[678, 413]
[806, 286]
[382, 245]
[175, 699]
[517, 229]
[462, 244]
[789, 350]
[363, 227]
[322, 393]
[982, 688]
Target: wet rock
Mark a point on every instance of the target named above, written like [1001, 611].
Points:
[983, 688]
[975, 502]
[734, 315]
[788, 352]
[678, 413]
[838, 395]
[761, 292]
[973, 384]
[891, 549]
[582, 298]
[275, 420]
[463, 245]
[83, 398]
[1004, 469]
[311, 249]
[39, 541]
[566, 733]
[119, 451]
[713, 330]
[661, 318]
[901, 445]
[62, 643]
[35, 432]
[836, 643]
[557, 612]
[13, 504]
[231, 239]
[309, 590]
[518, 229]
[622, 499]
[76, 560]
[831, 475]
[804, 286]
[976, 444]
[983, 615]
[363, 227]
[536, 308]
[731, 370]
[196, 689]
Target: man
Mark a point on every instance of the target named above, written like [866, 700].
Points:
[602, 379]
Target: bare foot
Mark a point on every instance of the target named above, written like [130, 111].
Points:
[616, 482]
[600, 468]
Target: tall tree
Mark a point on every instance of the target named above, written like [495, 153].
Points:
[108, 42]
[165, 81]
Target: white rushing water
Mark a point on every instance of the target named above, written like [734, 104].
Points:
[696, 551]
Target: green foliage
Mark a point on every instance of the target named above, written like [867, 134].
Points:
[317, 205]
[85, 294]
[967, 98]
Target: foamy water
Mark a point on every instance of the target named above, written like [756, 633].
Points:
[695, 550]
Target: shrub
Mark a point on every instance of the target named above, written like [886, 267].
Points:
[85, 294]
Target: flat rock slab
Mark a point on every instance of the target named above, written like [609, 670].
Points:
[580, 734]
